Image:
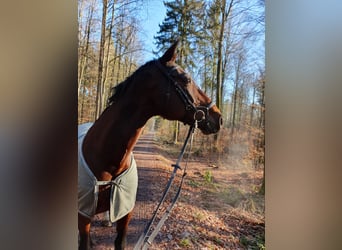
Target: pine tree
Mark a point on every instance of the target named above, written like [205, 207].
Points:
[183, 21]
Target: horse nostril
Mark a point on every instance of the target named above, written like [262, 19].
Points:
[221, 121]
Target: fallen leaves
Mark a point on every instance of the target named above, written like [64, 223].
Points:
[218, 208]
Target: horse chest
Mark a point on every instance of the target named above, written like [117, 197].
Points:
[122, 189]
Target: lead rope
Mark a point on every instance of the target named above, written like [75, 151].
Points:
[144, 240]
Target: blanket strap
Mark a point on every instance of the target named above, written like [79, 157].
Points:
[113, 183]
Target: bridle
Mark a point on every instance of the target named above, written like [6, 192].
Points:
[200, 113]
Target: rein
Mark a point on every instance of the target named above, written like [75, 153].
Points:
[145, 240]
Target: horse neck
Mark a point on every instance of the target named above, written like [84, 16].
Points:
[110, 141]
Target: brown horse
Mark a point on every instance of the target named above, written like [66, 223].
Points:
[160, 87]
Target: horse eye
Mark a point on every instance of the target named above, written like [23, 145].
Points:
[186, 78]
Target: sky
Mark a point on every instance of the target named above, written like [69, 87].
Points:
[152, 14]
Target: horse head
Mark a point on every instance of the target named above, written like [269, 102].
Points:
[182, 99]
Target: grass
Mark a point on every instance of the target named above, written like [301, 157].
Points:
[255, 243]
[245, 197]
[194, 184]
[232, 196]
[199, 216]
[208, 176]
[185, 242]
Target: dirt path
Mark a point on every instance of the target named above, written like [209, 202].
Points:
[153, 172]
[218, 207]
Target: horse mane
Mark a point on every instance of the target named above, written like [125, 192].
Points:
[120, 89]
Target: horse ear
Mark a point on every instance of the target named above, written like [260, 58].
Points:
[171, 54]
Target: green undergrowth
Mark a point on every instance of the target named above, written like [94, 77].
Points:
[221, 195]
[254, 242]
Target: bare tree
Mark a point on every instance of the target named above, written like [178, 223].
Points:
[219, 73]
[84, 43]
[101, 57]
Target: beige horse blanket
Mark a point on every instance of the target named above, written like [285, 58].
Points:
[123, 188]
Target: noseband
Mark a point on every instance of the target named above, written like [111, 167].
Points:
[201, 112]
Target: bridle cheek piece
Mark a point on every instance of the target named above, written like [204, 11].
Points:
[201, 112]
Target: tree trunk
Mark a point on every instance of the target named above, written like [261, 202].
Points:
[219, 57]
[262, 127]
[84, 53]
[262, 188]
[100, 86]
[119, 63]
[235, 93]
[251, 116]
[82, 105]
[180, 62]
[219, 72]
[104, 96]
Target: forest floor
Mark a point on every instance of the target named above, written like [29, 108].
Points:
[219, 206]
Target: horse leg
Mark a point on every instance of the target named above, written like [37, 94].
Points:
[106, 221]
[84, 232]
[121, 228]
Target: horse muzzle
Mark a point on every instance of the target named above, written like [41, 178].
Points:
[210, 124]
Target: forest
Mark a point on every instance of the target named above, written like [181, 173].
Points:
[221, 46]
